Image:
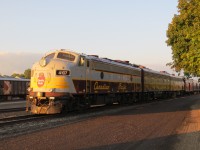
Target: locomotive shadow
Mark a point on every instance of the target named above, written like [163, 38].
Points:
[177, 139]
[184, 141]
[171, 105]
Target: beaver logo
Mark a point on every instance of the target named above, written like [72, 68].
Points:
[7, 88]
[41, 80]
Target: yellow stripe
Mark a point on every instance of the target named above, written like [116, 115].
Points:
[56, 82]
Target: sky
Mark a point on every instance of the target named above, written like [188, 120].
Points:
[133, 30]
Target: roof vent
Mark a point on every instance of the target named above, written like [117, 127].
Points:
[165, 72]
[126, 61]
[142, 67]
[94, 56]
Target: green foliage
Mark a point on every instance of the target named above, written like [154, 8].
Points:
[187, 75]
[15, 75]
[27, 73]
[184, 37]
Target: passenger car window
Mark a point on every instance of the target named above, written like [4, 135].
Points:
[66, 56]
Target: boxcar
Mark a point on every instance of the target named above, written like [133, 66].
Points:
[13, 87]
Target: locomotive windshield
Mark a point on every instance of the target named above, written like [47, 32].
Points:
[66, 56]
[50, 56]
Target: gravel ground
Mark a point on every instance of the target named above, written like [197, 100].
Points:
[10, 105]
[13, 114]
[169, 124]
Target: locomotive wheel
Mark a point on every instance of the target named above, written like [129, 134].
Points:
[69, 106]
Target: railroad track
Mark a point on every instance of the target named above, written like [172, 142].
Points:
[28, 117]
[20, 125]
[22, 119]
[11, 121]
[12, 109]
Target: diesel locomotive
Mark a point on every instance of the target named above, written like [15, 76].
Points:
[64, 80]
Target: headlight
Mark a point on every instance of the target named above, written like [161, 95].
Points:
[52, 90]
[30, 89]
[43, 62]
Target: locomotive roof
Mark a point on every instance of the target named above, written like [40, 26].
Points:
[110, 61]
[128, 65]
[156, 72]
[162, 73]
[96, 58]
[114, 62]
[62, 50]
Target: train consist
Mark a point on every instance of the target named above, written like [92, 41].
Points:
[64, 80]
[13, 87]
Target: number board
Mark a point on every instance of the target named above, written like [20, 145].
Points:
[62, 72]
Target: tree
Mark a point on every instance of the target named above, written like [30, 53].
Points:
[14, 75]
[184, 37]
[27, 73]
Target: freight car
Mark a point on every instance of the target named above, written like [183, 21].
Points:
[13, 87]
[64, 80]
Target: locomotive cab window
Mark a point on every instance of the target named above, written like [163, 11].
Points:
[66, 56]
[50, 56]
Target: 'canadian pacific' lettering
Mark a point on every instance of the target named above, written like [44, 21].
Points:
[98, 86]
[122, 87]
